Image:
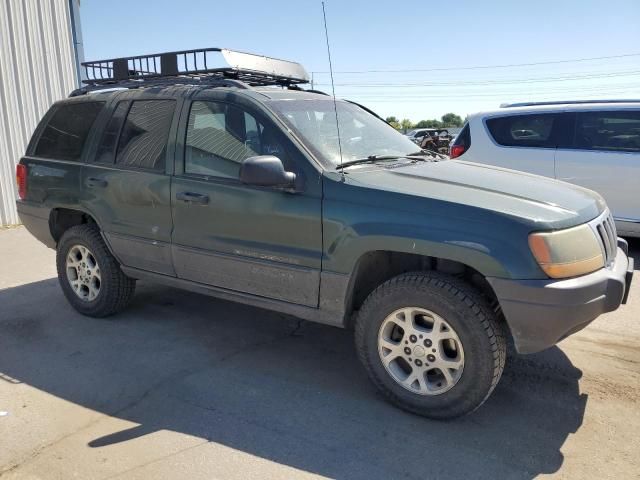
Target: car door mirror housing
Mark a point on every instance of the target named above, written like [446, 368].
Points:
[266, 171]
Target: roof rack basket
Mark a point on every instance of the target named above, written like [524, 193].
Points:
[189, 66]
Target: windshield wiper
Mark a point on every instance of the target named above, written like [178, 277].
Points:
[376, 158]
[369, 159]
[424, 153]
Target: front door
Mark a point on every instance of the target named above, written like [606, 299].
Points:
[255, 240]
[126, 186]
[605, 156]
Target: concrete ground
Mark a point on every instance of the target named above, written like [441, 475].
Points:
[186, 386]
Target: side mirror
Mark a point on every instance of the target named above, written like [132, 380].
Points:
[266, 171]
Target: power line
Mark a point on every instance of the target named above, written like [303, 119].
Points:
[491, 82]
[611, 91]
[484, 67]
[629, 87]
[618, 92]
[479, 95]
[499, 99]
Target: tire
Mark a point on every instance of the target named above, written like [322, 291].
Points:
[89, 275]
[474, 343]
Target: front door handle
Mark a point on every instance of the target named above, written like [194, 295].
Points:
[191, 197]
[96, 182]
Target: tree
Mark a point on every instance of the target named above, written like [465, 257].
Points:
[448, 120]
[393, 121]
[451, 120]
[406, 124]
[428, 124]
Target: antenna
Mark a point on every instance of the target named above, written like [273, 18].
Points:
[333, 88]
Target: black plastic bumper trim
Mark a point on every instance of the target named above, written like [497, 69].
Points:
[542, 312]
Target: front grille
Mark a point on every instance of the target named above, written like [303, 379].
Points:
[605, 228]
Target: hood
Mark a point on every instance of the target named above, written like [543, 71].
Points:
[541, 200]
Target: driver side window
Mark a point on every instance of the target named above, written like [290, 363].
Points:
[220, 136]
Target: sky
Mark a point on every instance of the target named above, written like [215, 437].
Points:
[411, 59]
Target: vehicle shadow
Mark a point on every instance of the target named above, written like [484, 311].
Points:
[285, 390]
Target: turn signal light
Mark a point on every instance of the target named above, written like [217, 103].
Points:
[567, 253]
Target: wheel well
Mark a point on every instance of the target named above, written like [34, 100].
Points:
[375, 268]
[61, 219]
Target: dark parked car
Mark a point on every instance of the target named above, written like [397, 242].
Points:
[217, 181]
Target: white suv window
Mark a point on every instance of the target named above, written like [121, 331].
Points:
[523, 130]
[617, 131]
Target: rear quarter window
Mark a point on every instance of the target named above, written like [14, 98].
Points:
[464, 137]
[523, 130]
[65, 134]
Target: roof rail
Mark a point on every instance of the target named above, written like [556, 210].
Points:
[193, 67]
[566, 102]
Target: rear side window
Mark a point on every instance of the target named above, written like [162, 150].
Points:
[523, 130]
[143, 141]
[66, 133]
[107, 148]
[614, 131]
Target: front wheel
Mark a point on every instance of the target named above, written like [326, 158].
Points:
[89, 275]
[431, 344]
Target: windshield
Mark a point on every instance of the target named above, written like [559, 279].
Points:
[361, 133]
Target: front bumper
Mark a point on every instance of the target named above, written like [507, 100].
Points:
[540, 313]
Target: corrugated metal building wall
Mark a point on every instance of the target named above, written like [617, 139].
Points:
[40, 46]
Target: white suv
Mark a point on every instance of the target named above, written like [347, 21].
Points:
[595, 144]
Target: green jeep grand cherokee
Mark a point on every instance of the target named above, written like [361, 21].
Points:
[216, 181]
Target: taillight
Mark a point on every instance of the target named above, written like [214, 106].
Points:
[21, 180]
[456, 150]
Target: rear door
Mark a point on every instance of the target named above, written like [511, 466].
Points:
[56, 154]
[604, 156]
[127, 187]
[254, 240]
[523, 142]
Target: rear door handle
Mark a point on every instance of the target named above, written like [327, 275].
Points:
[191, 197]
[96, 182]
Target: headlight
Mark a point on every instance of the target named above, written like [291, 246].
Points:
[567, 253]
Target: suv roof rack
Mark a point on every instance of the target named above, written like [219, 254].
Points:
[566, 102]
[210, 66]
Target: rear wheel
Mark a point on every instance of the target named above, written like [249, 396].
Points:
[431, 344]
[89, 275]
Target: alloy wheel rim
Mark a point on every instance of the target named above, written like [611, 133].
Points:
[83, 273]
[421, 351]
